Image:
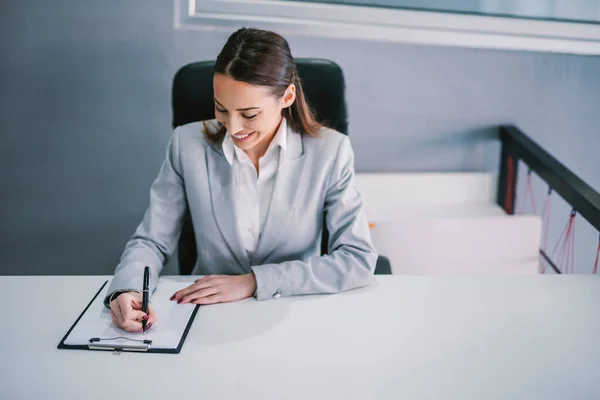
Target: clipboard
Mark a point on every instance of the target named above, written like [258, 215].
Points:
[94, 330]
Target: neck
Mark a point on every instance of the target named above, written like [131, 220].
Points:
[260, 149]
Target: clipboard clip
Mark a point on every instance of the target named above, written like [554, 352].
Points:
[138, 345]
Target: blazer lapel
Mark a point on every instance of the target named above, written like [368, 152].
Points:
[220, 176]
[283, 201]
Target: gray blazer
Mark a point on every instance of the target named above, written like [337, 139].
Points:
[316, 176]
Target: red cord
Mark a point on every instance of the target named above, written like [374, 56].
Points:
[567, 248]
[562, 252]
[520, 207]
[560, 240]
[595, 271]
[573, 247]
[570, 251]
[530, 191]
[546, 229]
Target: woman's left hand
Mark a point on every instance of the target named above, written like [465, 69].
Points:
[217, 289]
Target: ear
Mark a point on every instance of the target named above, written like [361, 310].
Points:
[289, 96]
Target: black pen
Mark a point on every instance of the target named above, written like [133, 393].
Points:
[145, 295]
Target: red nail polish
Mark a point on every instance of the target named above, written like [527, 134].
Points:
[145, 318]
[173, 297]
[179, 301]
[149, 326]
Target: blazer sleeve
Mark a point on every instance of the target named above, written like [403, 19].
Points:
[352, 256]
[156, 236]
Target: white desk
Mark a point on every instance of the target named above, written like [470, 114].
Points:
[405, 337]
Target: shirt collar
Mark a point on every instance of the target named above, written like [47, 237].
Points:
[280, 139]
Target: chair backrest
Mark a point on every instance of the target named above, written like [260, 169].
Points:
[322, 81]
[192, 100]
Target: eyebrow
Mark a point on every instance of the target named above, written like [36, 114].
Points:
[239, 109]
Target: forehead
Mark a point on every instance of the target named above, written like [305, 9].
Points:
[236, 94]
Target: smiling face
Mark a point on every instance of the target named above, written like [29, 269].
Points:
[251, 114]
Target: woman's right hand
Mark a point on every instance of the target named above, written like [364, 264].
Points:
[126, 312]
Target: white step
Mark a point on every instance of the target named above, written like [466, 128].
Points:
[496, 245]
[447, 223]
[388, 196]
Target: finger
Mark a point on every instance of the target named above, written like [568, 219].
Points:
[131, 315]
[209, 291]
[134, 315]
[115, 318]
[215, 298]
[136, 304]
[199, 284]
[132, 326]
[208, 278]
[152, 316]
[116, 309]
[122, 321]
[132, 309]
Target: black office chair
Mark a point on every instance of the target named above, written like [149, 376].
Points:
[192, 100]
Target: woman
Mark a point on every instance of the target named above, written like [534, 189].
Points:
[257, 181]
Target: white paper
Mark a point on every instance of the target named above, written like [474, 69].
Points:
[166, 333]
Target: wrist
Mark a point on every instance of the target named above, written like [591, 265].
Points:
[253, 284]
[117, 293]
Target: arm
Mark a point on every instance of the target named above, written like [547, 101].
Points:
[352, 257]
[156, 236]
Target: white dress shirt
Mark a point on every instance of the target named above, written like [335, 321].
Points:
[252, 189]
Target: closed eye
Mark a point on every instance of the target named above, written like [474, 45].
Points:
[223, 111]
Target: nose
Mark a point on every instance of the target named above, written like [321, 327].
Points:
[235, 124]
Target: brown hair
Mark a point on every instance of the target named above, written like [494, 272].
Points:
[263, 58]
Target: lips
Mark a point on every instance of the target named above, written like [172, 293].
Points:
[243, 136]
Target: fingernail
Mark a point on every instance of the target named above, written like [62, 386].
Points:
[145, 318]
[149, 326]
[179, 301]
[173, 297]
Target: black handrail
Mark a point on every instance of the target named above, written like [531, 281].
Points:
[581, 196]
[518, 146]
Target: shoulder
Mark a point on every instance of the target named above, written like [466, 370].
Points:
[328, 143]
[329, 154]
[188, 143]
[196, 132]
[328, 147]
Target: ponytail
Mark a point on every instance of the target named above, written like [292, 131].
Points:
[299, 115]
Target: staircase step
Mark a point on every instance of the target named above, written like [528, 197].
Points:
[401, 195]
[447, 223]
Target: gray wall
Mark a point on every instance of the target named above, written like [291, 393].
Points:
[586, 10]
[85, 115]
